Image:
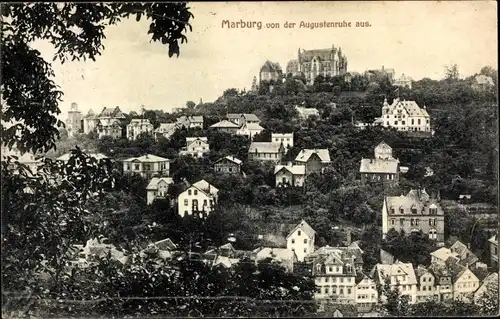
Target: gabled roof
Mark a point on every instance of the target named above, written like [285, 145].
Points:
[200, 138]
[396, 269]
[377, 165]
[305, 227]
[194, 119]
[346, 253]
[205, 187]
[140, 121]
[165, 127]
[231, 159]
[153, 184]
[224, 124]
[493, 240]
[148, 158]
[248, 116]
[443, 254]
[294, 169]
[280, 254]
[165, 244]
[264, 147]
[112, 112]
[271, 67]
[252, 126]
[305, 154]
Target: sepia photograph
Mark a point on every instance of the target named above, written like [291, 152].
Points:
[309, 159]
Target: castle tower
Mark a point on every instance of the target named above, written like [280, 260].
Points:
[74, 121]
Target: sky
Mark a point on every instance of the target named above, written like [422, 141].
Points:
[415, 38]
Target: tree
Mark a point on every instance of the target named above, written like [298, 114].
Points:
[451, 72]
[190, 105]
[391, 301]
[31, 97]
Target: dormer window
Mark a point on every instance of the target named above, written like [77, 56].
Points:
[401, 210]
[393, 210]
[414, 209]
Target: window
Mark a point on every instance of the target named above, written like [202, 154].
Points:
[195, 202]
[401, 210]
[189, 192]
[393, 211]
[349, 291]
[412, 121]
[305, 241]
[185, 202]
[330, 269]
[299, 233]
[414, 210]
[137, 167]
[337, 269]
[293, 241]
[395, 122]
[195, 192]
[204, 202]
[392, 222]
[305, 250]
[417, 221]
[326, 290]
[418, 121]
[412, 221]
[403, 122]
[401, 221]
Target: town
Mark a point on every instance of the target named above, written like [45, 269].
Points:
[317, 192]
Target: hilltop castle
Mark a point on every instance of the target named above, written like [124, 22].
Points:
[311, 63]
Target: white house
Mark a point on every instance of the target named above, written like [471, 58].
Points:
[147, 166]
[290, 175]
[191, 122]
[137, 127]
[166, 130]
[366, 292]
[199, 197]
[405, 116]
[285, 138]
[283, 256]
[304, 113]
[249, 130]
[195, 146]
[404, 81]
[402, 273]
[301, 240]
[158, 188]
[465, 284]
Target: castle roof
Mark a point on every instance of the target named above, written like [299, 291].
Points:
[112, 112]
[270, 67]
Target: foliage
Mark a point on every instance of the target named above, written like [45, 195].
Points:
[391, 302]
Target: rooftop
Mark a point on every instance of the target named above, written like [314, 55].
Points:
[264, 147]
[305, 154]
[148, 158]
[153, 184]
[294, 169]
[376, 165]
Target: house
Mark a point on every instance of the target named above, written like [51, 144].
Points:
[283, 256]
[110, 122]
[30, 160]
[166, 130]
[488, 287]
[241, 119]
[89, 122]
[493, 244]
[200, 197]
[190, 122]
[305, 113]
[482, 83]
[315, 160]
[163, 249]
[465, 283]
[427, 287]
[402, 273]
[227, 256]
[147, 166]
[250, 130]
[366, 292]
[442, 255]
[225, 126]
[405, 116]
[301, 240]
[99, 248]
[350, 251]
[413, 212]
[158, 188]
[270, 71]
[266, 151]
[137, 127]
[195, 146]
[285, 138]
[74, 121]
[404, 81]
[335, 275]
[442, 280]
[383, 168]
[228, 165]
[290, 175]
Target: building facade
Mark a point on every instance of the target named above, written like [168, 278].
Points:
[315, 160]
[383, 168]
[285, 138]
[402, 273]
[405, 116]
[190, 122]
[266, 151]
[200, 197]
[195, 146]
[225, 126]
[403, 81]
[166, 130]
[311, 63]
[301, 240]
[158, 188]
[74, 123]
[290, 175]
[110, 122]
[148, 166]
[137, 127]
[270, 71]
[413, 212]
[228, 165]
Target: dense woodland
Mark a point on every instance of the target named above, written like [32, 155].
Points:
[70, 202]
